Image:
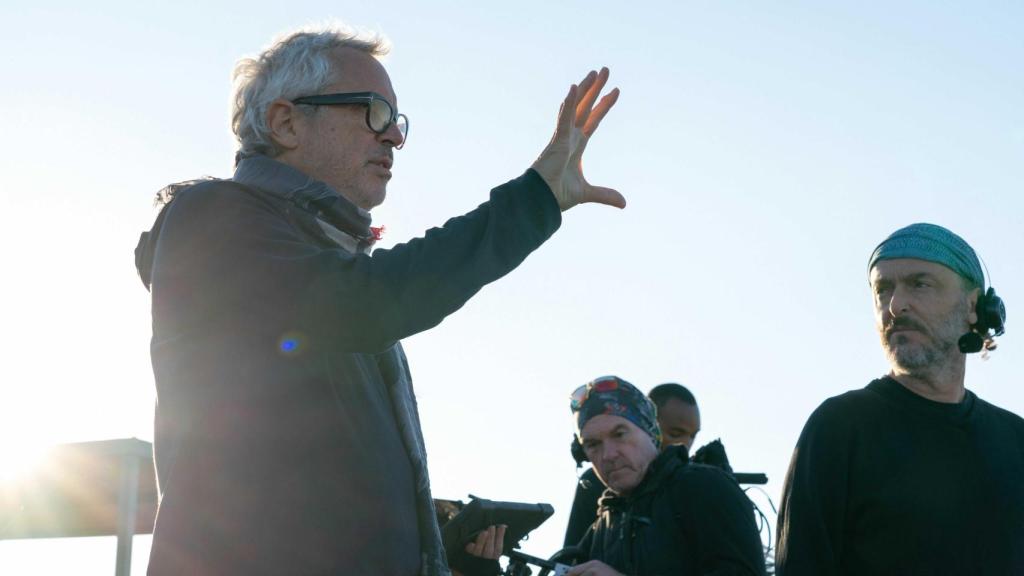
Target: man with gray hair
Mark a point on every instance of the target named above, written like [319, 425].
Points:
[913, 474]
[661, 514]
[287, 436]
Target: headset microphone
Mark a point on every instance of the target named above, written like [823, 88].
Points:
[971, 342]
[991, 316]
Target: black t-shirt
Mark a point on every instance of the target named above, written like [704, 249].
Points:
[884, 481]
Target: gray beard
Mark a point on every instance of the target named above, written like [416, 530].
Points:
[919, 359]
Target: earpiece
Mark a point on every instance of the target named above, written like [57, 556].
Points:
[991, 313]
[577, 452]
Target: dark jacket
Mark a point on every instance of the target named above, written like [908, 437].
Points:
[287, 439]
[589, 489]
[683, 519]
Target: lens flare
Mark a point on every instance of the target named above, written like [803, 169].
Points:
[291, 343]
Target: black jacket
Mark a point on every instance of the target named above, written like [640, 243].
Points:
[589, 489]
[683, 519]
[286, 439]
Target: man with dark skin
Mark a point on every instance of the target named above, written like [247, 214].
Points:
[678, 414]
[913, 474]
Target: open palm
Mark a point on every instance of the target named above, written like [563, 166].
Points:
[561, 162]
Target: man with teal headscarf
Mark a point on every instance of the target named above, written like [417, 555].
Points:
[913, 474]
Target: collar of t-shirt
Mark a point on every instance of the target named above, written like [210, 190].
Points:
[896, 392]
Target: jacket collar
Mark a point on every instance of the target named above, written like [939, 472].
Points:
[309, 194]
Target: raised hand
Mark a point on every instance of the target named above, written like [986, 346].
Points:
[561, 162]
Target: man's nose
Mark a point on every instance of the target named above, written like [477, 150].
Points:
[609, 452]
[899, 302]
[393, 136]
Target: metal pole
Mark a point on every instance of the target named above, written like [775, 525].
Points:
[127, 508]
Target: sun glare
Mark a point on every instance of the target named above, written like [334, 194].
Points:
[18, 461]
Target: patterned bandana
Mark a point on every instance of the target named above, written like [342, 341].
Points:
[934, 244]
[611, 395]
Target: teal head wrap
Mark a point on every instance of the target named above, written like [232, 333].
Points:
[934, 244]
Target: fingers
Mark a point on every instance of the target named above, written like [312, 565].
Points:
[592, 568]
[588, 81]
[606, 196]
[578, 109]
[476, 547]
[489, 543]
[599, 112]
[497, 544]
[560, 164]
[589, 94]
[500, 538]
[567, 113]
[594, 121]
[581, 569]
[487, 551]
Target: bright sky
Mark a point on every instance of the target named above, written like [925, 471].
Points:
[764, 149]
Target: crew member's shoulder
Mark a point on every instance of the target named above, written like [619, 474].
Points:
[207, 191]
[845, 413]
[700, 486]
[703, 474]
[705, 480]
[1002, 415]
[848, 404]
[198, 204]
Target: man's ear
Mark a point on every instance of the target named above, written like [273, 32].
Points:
[285, 124]
[972, 306]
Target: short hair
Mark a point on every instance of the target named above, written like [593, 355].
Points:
[297, 64]
[662, 393]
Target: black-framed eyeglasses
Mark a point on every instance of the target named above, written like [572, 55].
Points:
[380, 115]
